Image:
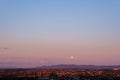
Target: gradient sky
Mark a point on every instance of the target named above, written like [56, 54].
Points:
[47, 32]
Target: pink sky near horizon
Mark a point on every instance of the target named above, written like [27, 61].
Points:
[49, 52]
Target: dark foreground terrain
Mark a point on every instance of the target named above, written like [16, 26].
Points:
[59, 74]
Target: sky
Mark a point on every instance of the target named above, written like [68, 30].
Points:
[49, 32]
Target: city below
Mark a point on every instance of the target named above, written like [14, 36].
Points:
[62, 72]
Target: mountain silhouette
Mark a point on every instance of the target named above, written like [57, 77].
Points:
[72, 66]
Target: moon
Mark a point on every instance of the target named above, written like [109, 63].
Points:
[72, 57]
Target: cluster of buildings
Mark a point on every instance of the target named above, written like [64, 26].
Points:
[60, 74]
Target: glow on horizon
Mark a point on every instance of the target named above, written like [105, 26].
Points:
[34, 33]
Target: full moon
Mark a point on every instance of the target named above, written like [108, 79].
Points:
[72, 57]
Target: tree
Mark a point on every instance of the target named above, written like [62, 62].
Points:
[54, 76]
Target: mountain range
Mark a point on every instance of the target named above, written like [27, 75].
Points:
[72, 66]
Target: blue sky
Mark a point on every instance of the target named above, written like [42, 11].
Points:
[62, 15]
[52, 22]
